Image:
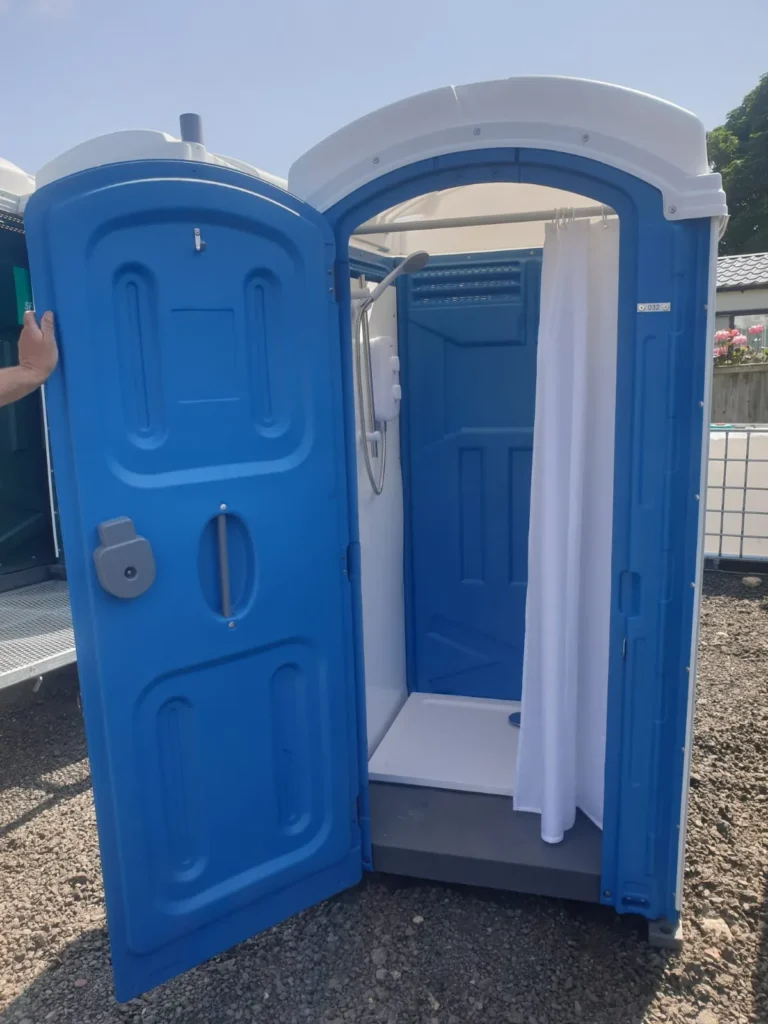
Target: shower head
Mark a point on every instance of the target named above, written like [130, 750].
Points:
[413, 263]
[410, 265]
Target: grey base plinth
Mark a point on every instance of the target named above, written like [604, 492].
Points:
[477, 839]
[666, 934]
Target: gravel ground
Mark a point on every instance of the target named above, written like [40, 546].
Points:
[403, 952]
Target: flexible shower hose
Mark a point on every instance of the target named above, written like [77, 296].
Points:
[365, 396]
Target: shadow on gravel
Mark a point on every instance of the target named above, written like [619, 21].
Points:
[760, 974]
[41, 734]
[397, 953]
[56, 794]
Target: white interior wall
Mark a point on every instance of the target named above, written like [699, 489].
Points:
[381, 557]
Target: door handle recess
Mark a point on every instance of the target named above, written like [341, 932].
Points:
[226, 594]
[125, 565]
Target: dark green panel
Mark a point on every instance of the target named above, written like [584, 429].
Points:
[25, 527]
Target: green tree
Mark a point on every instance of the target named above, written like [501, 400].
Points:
[739, 151]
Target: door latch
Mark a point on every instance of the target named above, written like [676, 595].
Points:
[125, 565]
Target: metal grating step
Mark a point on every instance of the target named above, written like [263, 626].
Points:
[35, 632]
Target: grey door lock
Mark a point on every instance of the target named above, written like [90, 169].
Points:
[125, 565]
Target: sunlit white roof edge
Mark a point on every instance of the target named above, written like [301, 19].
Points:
[15, 184]
[140, 144]
[654, 140]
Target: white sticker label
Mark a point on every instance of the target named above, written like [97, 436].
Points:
[654, 307]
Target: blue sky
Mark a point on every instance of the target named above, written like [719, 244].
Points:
[272, 77]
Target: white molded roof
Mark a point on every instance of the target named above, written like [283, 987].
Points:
[118, 147]
[14, 184]
[645, 136]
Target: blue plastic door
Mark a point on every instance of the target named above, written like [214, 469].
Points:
[199, 398]
[467, 336]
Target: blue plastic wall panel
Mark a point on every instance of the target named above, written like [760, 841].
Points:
[373, 265]
[660, 415]
[199, 382]
[467, 328]
[659, 423]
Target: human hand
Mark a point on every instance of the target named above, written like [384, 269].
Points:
[38, 354]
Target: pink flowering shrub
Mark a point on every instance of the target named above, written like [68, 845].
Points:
[732, 347]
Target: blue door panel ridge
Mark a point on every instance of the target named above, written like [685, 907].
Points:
[199, 398]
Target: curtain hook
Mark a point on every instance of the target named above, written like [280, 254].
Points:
[604, 214]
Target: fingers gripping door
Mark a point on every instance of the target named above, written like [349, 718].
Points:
[197, 429]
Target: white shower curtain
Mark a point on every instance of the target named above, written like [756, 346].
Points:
[561, 750]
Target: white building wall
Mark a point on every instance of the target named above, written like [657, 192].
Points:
[733, 301]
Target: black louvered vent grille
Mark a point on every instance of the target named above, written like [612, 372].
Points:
[467, 285]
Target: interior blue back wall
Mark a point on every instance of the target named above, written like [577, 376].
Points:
[467, 333]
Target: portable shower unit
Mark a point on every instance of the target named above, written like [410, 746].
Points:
[297, 538]
[26, 533]
[35, 624]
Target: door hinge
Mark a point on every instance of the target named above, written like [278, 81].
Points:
[333, 275]
[350, 561]
[624, 648]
